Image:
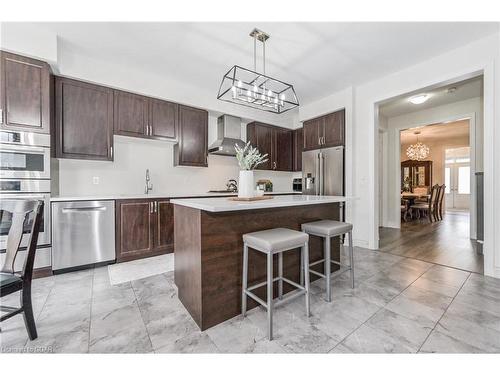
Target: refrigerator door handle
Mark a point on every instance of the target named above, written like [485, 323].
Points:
[318, 176]
[321, 174]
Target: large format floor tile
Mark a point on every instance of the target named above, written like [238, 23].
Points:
[398, 305]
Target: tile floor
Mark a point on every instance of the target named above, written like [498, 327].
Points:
[398, 305]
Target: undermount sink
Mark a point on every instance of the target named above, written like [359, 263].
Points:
[222, 191]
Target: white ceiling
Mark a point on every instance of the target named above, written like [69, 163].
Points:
[317, 58]
[471, 88]
[437, 132]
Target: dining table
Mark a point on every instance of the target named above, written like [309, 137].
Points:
[412, 196]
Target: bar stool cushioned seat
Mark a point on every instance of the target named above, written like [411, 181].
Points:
[327, 228]
[277, 239]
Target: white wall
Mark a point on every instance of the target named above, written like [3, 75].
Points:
[480, 56]
[449, 112]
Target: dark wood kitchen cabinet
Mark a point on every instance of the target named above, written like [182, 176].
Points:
[130, 114]
[283, 152]
[333, 129]
[261, 137]
[192, 148]
[140, 116]
[84, 120]
[25, 94]
[164, 226]
[144, 228]
[298, 147]
[163, 118]
[324, 131]
[275, 141]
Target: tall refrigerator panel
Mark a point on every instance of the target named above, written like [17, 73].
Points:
[323, 171]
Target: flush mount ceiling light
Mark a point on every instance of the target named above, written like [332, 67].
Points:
[257, 90]
[419, 99]
[417, 151]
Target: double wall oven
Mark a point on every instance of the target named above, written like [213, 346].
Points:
[25, 174]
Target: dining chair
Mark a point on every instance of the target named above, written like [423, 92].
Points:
[405, 209]
[26, 216]
[423, 190]
[440, 202]
[429, 208]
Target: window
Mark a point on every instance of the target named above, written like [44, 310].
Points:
[447, 180]
[463, 180]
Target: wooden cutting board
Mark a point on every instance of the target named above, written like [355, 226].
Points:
[262, 198]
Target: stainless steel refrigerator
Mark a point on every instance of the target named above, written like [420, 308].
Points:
[323, 171]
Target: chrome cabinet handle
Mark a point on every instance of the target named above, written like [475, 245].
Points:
[1, 116]
[274, 165]
[150, 207]
[111, 151]
[156, 206]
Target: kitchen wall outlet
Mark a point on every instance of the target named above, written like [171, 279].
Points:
[95, 180]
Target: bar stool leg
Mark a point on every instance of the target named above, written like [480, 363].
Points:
[328, 274]
[270, 295]
[305, 254]
[301, 267]
[244, 281]
[280, 270]
[351, 258]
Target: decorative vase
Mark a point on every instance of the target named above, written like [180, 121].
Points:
[246, 184]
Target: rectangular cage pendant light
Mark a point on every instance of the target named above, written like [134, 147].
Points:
[257, 90]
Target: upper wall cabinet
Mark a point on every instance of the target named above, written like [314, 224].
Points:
[325, 131]
[140, 116]
[25, 94]
[192, 148]
[84, 120]
[298, 147]
[131, 114]
[276, 142]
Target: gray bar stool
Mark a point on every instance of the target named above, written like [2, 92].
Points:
[270, 242]
[328, 229]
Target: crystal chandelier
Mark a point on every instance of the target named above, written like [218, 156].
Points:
[417, 151]
[257, 90]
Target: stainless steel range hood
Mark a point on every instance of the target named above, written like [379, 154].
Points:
[228, 135]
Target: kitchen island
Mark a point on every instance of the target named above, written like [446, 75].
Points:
[209, 248]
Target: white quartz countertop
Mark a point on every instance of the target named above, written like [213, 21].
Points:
[195, 195]
[223, 204]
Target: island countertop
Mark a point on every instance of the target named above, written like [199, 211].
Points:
[225, 204]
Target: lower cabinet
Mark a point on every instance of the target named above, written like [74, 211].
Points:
[144, 228]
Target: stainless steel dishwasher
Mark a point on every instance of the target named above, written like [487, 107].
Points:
[83, 233]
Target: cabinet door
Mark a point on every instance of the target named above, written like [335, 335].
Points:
[24, 94]
[84, 120]
[283, 152]
[134, 235]
[312, 133]
[130, 114]
[164, 226]
[261, 137]
[333, 129]
[298, 147]
[192, 148]
[163, 119]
